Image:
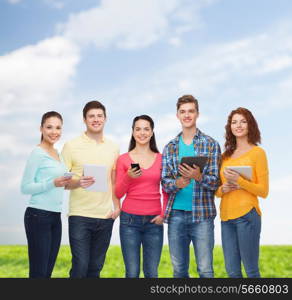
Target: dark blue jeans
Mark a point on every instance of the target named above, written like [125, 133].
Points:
[137, 231]
[241, 241]
[43, 231]
[89, 240]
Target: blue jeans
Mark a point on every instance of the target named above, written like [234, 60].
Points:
[89, 240]
[241, 241]
[43, 231]
[181, 231]
[137, 231]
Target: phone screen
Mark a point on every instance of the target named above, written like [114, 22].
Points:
[68, 174]
[135, 166]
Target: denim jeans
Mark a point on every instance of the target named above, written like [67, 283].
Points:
[89, 240]
[241, 241]
[43, 231]
[137, 231]
[181, 231]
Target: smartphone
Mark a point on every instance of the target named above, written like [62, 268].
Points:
[68, 174]
[135, 166]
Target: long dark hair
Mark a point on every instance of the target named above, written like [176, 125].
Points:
[48, 115]
[253, 136]
[152, 144]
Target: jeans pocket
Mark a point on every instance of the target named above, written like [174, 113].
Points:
[248, 216]
[109, 220]
[125, 218]
[45, 215]
[36, 213]
[75, 220]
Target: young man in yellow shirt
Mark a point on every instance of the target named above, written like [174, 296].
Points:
[91, 213]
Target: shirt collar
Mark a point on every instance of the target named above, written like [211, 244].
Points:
[196, 136]
[90, 140]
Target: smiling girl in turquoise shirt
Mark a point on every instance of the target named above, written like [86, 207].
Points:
[43, 179]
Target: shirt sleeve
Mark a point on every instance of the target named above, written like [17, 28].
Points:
[167, 178]
[164, 202]
[122, 178]
[28, 183]
[210, 177]
[219, 192]
[116, 158]
[261, 185]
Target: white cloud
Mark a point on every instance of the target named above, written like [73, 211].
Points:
[247, 57]
[175, 41]
[243, 64]
[36, 74]
[282, 91]
[131, 24]
[276, 64]
[12, 144]
[32, 79]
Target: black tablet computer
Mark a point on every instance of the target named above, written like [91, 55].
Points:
[199, 161]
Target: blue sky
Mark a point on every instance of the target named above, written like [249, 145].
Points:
[139, 56]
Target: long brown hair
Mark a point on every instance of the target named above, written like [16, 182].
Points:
[253, 136]
[152, 144]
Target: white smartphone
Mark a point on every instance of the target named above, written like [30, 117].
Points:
[68, 174]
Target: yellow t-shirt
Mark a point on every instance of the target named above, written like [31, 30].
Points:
[239, 202]
[84, 150]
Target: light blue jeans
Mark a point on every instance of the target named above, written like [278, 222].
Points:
[181, 231]
[137, 231]
[241, 241]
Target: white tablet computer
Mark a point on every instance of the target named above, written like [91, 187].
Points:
[100, 175]
[244, 171]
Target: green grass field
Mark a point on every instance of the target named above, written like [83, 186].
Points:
[275, 262]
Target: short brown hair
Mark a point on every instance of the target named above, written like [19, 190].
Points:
[187, 99]
[93, 105]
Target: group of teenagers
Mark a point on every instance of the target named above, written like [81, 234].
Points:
[161, 190]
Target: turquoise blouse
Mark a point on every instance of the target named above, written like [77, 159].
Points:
[38, 180]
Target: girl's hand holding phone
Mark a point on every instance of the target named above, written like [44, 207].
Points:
[134, 171]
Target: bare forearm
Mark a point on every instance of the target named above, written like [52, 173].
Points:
[116, 202]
